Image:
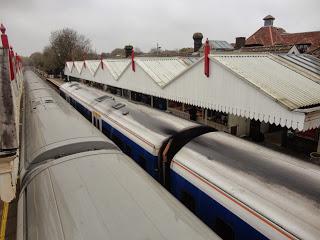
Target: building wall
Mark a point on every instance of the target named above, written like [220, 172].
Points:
[242, 124]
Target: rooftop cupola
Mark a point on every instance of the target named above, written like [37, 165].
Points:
[268, 21]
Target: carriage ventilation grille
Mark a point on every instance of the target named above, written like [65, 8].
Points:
[118, 105]
[104, 97]
[35, 103]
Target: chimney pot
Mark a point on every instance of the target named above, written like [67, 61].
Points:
[197, 39]
[128, 50]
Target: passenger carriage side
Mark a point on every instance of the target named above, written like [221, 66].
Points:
[143, 158]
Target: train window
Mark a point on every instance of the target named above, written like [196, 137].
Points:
[117, 141]
[98, 124]
[128, 150]
[142, 162]
[62, 94]
[188, 201]
[105, 130]
[223, 229]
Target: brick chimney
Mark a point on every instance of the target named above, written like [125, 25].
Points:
[128, 50]
[240, 42]
[197, 40]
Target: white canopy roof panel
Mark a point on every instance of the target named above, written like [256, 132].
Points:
[255, 86]
[288, 87]
[92, 65]
[163, 70]
[69, 65]
[116, 66]
[78, 65]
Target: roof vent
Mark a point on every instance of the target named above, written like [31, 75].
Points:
[268, 21]
[118, 105]
[125, 112]
[73, 84]
[104, 97]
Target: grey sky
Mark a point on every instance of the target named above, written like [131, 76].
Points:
[143, 23]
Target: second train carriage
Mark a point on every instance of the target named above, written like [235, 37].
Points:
[238, 188]
[139, 131]
[78, 185]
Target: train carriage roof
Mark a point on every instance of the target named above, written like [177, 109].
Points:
[283, 189]
[152, 125]
[104, 196]
[52, 127]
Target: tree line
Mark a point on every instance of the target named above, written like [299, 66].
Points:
[68, 45]
[64, 45]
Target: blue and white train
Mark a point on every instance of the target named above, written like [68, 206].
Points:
[239, 189]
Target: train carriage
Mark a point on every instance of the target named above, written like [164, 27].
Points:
[138, 130]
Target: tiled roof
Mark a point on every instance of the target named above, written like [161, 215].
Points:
[266, 36]
[312, 38]
[270, 36]
[271, 49]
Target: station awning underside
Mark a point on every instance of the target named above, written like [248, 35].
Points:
[263, 87]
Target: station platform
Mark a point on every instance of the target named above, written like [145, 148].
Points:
[56, 82]
[10, 223]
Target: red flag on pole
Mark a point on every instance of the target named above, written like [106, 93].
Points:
[206, 58]
[132, 61]
[4, 37]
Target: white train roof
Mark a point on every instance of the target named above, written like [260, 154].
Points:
[149, 126]
[52, 127]
[281, 188]
[103, 196]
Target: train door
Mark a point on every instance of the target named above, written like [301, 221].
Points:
[96, 120]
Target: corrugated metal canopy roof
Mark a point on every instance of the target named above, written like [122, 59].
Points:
[164, 70]
[78, 65]
[304, 60]
[288, 87]
[93, 65]
[219, 44]
[116, 66]
[69, 65]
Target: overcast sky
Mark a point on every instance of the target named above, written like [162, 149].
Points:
[143, 23]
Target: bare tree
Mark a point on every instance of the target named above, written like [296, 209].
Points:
[67, 45]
